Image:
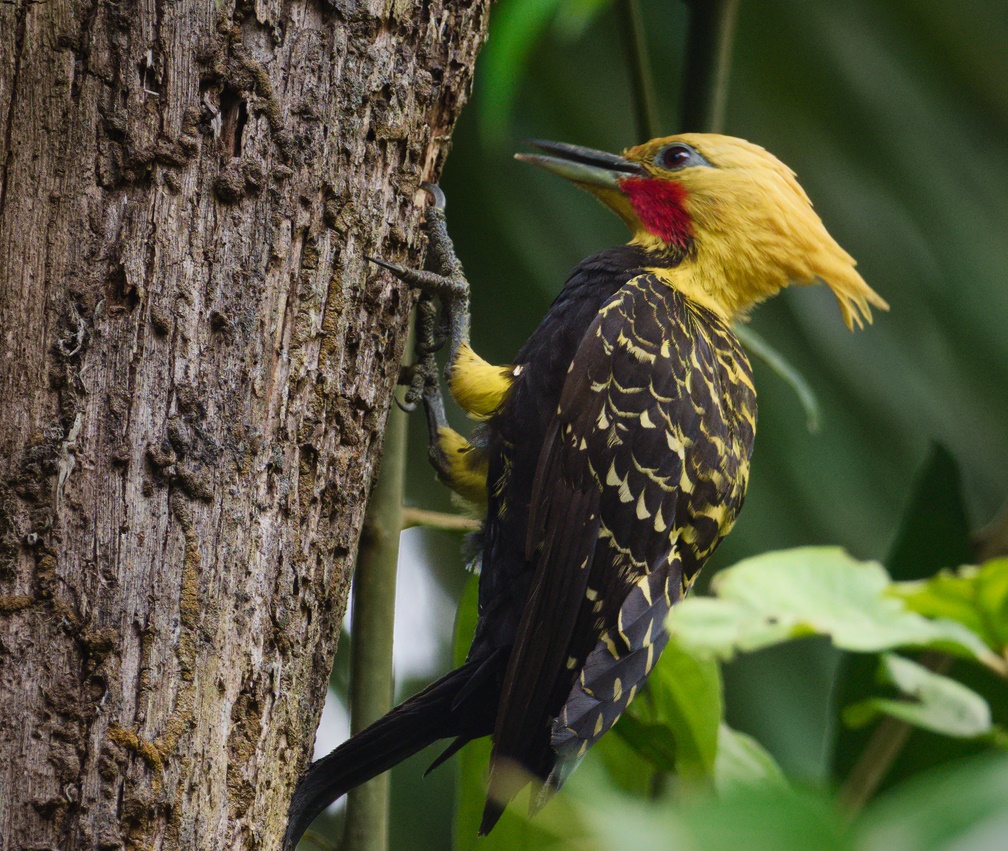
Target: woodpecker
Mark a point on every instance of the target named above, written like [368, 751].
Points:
[611, 457]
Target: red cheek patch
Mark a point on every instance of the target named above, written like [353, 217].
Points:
[659, 206]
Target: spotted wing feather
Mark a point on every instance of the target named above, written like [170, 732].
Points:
[625, 462]
[683, 469]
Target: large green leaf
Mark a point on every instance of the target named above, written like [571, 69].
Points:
[962, 807]
[741, 760]
[974, 596]
[744, 818]
[773, 597]
[764, 817]
[936, 703]
[674, 722]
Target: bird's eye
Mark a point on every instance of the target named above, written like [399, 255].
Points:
[675, 156]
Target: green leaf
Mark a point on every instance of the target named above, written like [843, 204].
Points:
[976, 597]
[777, 596]
[674, 722]
[937, 703]
[963, 806]
[744, 818]
[741, 760]
[619, 821]
[764, 817]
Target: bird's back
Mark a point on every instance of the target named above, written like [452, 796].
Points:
[515, 435]
[617, 463]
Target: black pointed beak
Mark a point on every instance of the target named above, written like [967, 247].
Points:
[586, 166]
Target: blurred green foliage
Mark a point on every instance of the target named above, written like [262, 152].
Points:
[894, 113]
[773, 597]
[928, 700]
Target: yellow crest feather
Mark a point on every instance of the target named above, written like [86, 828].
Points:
[755, 231]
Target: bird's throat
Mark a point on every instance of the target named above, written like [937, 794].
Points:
[660, 207]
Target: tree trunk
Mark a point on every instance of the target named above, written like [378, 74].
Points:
[195, 366]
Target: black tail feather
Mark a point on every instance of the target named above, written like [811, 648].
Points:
[488, 669]
[406, 730]
[448, 753]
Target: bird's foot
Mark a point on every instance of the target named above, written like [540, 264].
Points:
[443, 276]
[421, 377]
[423, 385]
[442, 317]
[443, 279]
[426, 281]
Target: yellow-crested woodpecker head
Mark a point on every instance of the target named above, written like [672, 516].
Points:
[733, 213]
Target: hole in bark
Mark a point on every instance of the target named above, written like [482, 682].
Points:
[309, 457]
[219, 323]
[148, 78]
[240, 128]
[234, 117]
[120, 294]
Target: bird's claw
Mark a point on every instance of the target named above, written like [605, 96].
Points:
[442, 317]
[428, 282]
[413, 395]
[405, 406]
[431, 328]
[418, 378]
[394, 268]
[436, 193]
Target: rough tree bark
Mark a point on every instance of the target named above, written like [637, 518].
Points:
[195, 367]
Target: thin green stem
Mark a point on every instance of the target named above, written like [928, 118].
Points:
[884, 746]
[708, 64]
[779, 364]
[366, 826]
[412, 516]
[639, 63]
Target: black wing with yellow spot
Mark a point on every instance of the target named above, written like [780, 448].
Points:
[642, 473]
